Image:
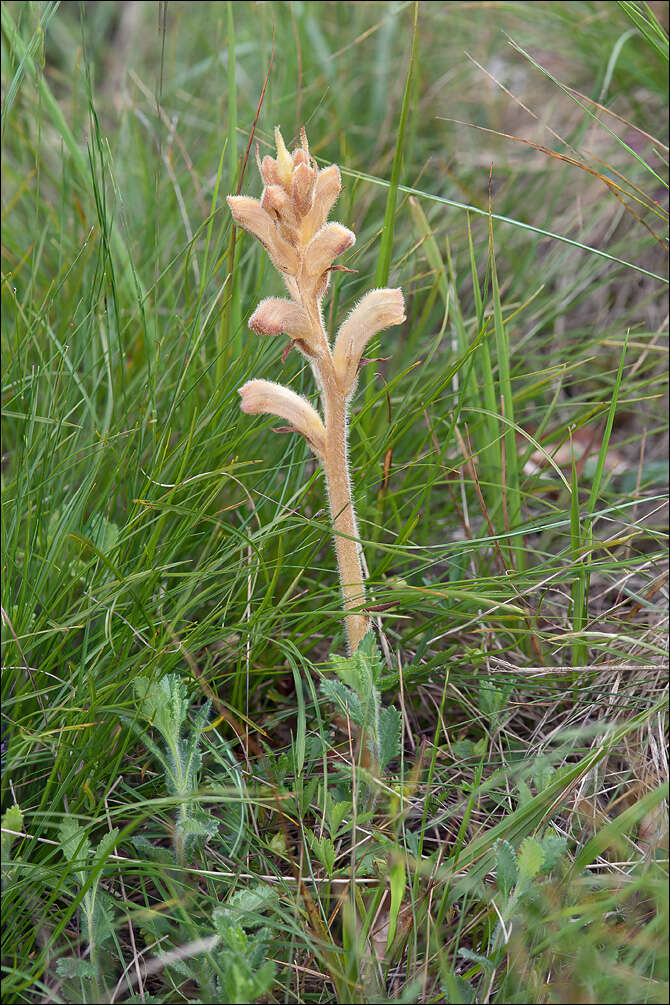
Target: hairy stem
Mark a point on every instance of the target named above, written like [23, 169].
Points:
[336, 469]
[344, 517]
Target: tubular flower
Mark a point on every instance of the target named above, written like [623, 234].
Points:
[290, 221]
[377, 310]
[266, 397]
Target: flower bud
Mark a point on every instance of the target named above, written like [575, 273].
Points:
[328, 187]
[275, 200]
[268, 170]
[284, 160]
[331, 241]
[326, 190]
[302, 187]
[251, 216]
[284, 256]
[275, 316]
[303, 141]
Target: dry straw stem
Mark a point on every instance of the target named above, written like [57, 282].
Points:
[290, 221]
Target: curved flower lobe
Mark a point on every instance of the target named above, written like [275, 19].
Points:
[265, 397]
[331, 241]
[275, 316]
[252, 216]
[377, 310]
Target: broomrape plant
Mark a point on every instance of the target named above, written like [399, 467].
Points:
[290, 222]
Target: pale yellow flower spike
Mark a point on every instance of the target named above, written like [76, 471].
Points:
[290, 222]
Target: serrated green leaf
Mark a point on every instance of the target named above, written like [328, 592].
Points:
[12, 820]
[369, 651]
[483, 961]
[492, 699]
[191, 761]
[462, 748]
[362, 669]
[308, 794]
[366, 866]
[70, 966]
[277, 844]
[506, 867]
[163, 704]
[281, 767]
[344, 699]
[324, 849]
[200, 720]
[530, 858]
[390, 731]
[412, 842]
[106, 846]
[154, 925]
[336, 814]
[199, 825]
[554, 847]
[458, 991]
[543, 774]
[74, 845]
[246, 905]
[232, 933]
[103, 914]
[525, 795]
[153, 852]
[180, 967]
[258, 948]
[103, 533]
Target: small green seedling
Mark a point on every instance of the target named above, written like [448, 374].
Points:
[354, 692]
[85, 977]
[164, 705]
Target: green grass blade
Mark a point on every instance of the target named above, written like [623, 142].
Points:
[648, 26]
[579, 651]
[514, 222]
[386, 243]
[607, 432]
[591, 114]
[26, 61]
[510, 487]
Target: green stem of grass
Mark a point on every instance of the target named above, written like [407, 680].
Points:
[582, 547]
[386, 244]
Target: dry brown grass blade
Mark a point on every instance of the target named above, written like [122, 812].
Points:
[617, 191]
[619, 118]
